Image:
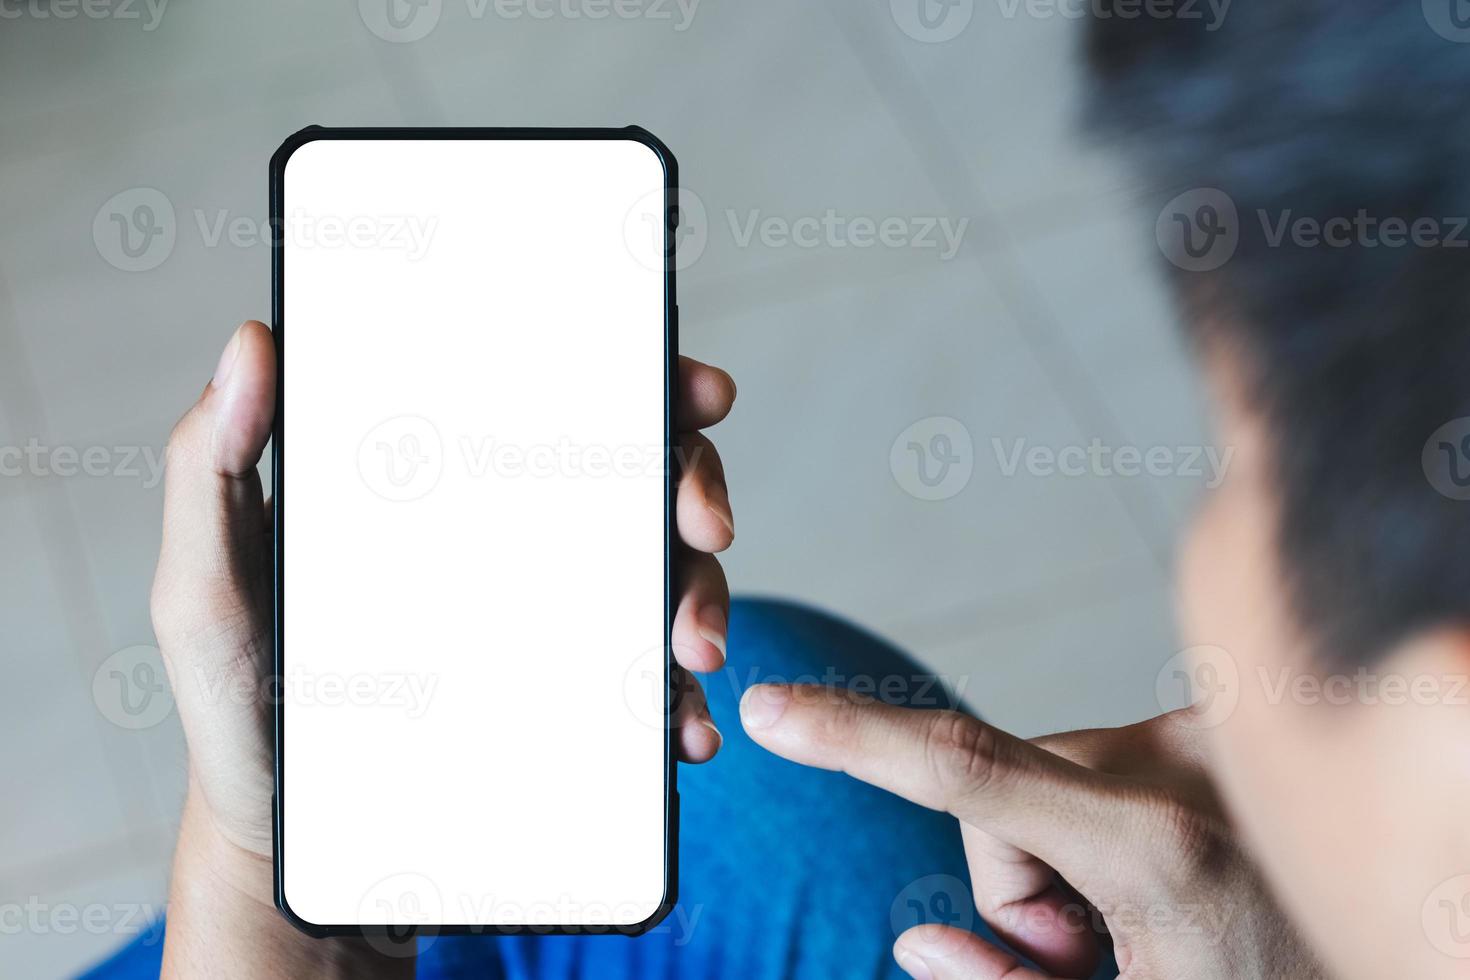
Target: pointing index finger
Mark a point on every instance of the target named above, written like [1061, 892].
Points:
[945, 760]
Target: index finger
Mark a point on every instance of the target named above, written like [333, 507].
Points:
[946, 760]
[705, 394]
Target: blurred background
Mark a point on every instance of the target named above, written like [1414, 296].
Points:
[899, 394]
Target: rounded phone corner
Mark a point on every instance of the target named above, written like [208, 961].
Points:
[661, 151]
[292, 143]
[298, 922]
[660, 912]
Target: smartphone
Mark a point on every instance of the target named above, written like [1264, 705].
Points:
[473, 499]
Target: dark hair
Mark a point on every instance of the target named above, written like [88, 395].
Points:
[1353, 354]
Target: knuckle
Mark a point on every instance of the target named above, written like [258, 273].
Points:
[1178, 731]
[161, 609]
[837, 726]
[193, 612]
[693, 452]
[185, 440]
[1189, 838]
[184, 433]
[962, 752]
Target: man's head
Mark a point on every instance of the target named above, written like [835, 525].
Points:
[1315, 157]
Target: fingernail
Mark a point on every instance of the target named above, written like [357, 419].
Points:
[724, 515]
[912, 965]
[227, 359]
[763, 705]
[733, 390]
[719, 505]
[719, 739]
[712, 627]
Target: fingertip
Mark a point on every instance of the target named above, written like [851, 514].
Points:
[242, 398]
[911, 964]
[937, 952]
[707, 394]
[712, 629]
[699, 740]
[722, 536]
[722, 383]
[705, 520]
[699, 654]
[762, 705]
[926, 940]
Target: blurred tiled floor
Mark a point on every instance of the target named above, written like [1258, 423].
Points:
[1046, 597]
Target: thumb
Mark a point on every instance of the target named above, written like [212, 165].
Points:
[212, 563]
[211, 593]
[934, 952]
[240, 401]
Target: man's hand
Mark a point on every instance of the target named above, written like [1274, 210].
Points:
[212, 614]
[1119, 822]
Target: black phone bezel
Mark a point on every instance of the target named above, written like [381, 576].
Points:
[405, 935]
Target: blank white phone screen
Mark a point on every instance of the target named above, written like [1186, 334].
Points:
[473, 561]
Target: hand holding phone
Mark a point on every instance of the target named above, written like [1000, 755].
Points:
[211, 605]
